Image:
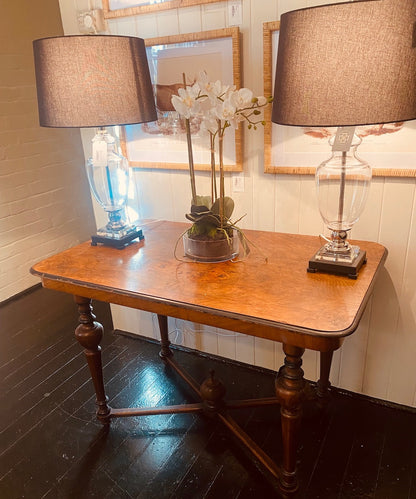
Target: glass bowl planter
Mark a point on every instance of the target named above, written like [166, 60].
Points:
[211, 250]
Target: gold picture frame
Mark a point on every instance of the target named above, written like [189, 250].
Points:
[288, 150]
[159, 144]
[135, 10]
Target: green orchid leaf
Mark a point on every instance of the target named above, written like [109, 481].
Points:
[216, 207]
[228, 207]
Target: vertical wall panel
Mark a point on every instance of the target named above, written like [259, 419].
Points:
[279, 356]
[264, 353]
[287, 203]
[244, 348]
[310, 364]
[287, 5]
[81, 5]
[262, 206]
[190, 20]
[213, 16]
[207, 339]
[310, 221]
[226, 343]
[146, 26]
[381, 340]
[401, 388]
[167, 22]
[191, 334]
[315, 3]
[181, 192]
[395, 224]
[133, 321]
[68, 10]
[353, 356]
[368, 226]
[384, 335]
[336, 367]
[125, 26]
[155, 193]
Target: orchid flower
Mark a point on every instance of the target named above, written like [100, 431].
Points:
[186, 103]
[242, 98]
[217, 107]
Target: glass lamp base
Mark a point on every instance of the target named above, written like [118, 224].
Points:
[347, 263]
[116, 239]
[338, 251]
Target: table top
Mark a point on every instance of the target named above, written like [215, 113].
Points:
[275, 299]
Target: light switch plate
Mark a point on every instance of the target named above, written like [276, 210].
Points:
[235, 13]
[238, 182]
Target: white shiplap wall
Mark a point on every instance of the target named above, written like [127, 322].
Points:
[379, 359]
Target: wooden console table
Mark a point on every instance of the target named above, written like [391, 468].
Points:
[275, 299]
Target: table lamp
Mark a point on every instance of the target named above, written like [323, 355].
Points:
[344, 65]
[97, 81]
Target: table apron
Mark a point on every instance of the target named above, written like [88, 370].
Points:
[311, 340]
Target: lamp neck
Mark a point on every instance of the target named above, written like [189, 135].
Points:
[103, 135]
[344, 139]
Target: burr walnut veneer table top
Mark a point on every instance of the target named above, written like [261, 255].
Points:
[263, 298]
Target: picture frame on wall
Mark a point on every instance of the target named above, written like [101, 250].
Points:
[390, 149]
[163, 144]
[113, 9]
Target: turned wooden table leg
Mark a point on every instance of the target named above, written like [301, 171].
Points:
[165, 351]
[290, 392]
[166, 354]
[89, 334]
[325, 368]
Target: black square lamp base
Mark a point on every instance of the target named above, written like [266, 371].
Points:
[118, 243]
[341, 268]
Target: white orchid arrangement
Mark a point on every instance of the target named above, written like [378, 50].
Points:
[217, 107]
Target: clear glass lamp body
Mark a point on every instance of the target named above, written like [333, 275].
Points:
[343, 184]
[108, 175]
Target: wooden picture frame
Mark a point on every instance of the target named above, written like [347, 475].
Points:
[113, 9]
[163, 144]
[298, 151]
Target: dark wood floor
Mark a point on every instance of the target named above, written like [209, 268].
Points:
[51, 445]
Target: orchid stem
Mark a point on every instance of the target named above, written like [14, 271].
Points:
[214, 194]
[190, 152]
[222, 188]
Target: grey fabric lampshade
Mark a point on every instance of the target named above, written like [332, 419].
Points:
[347, 64]
[92, 81]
